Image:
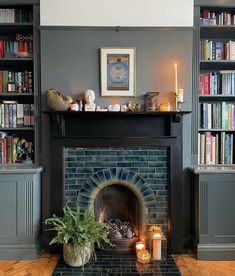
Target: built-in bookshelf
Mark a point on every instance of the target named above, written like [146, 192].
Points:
[216, 89]
[18, 84]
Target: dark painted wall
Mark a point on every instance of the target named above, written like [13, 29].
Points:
[70, 62]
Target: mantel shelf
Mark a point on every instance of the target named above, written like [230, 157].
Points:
[69, 123]
[109, 113]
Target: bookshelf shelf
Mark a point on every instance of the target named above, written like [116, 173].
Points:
[215, 65]
[13, 28]
[216, 130]
[217, 32]
[217, 96]
[16, 128]
[6, 95]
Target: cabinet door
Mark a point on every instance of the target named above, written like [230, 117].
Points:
[16, 208]
[217, 205]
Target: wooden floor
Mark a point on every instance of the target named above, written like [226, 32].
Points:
[188, 266]
[43, 266]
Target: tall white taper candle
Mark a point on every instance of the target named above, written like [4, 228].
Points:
[176, 79]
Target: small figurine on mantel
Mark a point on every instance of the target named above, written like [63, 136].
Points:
[89, 101]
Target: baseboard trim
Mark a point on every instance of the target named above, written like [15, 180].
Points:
[17, 252]
[215, 252]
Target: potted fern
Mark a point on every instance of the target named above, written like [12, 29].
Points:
[78, 232]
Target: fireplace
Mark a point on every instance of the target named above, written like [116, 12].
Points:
[91, 135]
[128, 184]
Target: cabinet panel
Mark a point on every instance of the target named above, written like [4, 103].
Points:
[213, 212]
[221, 205]
[8, 207]
[20, 211]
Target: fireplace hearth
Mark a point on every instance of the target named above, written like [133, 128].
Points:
[99, 131]
[118, 265]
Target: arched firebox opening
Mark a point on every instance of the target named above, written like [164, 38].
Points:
[118, 205]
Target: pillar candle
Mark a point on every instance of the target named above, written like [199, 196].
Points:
[157, 248]
[180, 95]
[176, 79]
[139, 246]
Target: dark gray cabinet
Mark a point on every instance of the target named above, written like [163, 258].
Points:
[213, 197]
[20, 209]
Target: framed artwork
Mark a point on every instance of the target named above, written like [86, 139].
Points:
[117, 72]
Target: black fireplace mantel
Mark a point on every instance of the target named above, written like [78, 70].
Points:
[115, 129]
[65, 118]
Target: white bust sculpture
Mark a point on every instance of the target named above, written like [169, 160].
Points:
[89, 100]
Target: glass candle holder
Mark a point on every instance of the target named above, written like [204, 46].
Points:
[165, 107]
[139, 246]
[143, 256]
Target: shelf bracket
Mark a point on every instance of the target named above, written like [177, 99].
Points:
[176, 118]
[59, 119]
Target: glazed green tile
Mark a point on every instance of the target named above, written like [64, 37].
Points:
[147, 158]
[109, 152]
[76, 153]
[101, 176]
[107, 174]
[115, 158]
[70, 181]
[123, 164]
[147, 170]
[124, 153]
[84, 170]
[131, 158]
[70, 159]
[139, 152]
[161, 158]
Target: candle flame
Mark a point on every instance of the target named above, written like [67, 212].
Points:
[175, 65]
[156, 235]
[140, 246]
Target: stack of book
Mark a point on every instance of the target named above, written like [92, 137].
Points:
[14, 48]
[215, 149]
[16, 16]
[217, 50]
[11, 148]
[217, 115]
[208, 17]
[217, 83]
[16, 82]
[16, 115]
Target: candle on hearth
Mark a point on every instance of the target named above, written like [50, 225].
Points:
[176, 79]
[157, 246]
[180, 95]
[143, 256]
[139, 246]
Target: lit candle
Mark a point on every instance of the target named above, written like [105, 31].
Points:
[180, 96]
[157, 246]
[164, 107]
[143, 257]
[139, 246]
[176, 79]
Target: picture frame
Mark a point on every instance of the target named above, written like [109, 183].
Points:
[118, 71]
